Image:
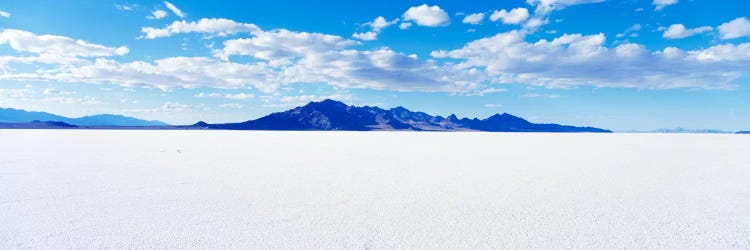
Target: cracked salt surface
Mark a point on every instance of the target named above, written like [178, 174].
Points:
[97, 189]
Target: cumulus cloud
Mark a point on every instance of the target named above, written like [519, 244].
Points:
[366, 36]
[405, 26]
[281, 47]
[739, 27]
[430, 16]
[4, 14]
[54, 48]
[475, 18]
[381, 23]
[280, 57]
[723, 53]
[514, 16]
[575, 59]
[209, 26]
[157, 14]
[660, 4]
[171, 73]
[174, 9]
[678, 31]
[376, 26]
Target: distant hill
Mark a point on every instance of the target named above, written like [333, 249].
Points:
[8, 115]
[692, 131]
[37, 125]
[335, 115]
[744, 132]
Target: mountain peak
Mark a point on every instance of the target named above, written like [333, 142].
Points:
[400, 109]
[329, 102]
[200, 124]
[335, 115]
[325, 104]
[504, 116]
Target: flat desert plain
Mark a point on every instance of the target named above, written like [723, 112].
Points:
[109, 189]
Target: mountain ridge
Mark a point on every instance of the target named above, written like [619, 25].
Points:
[335, 115]
[20, 116]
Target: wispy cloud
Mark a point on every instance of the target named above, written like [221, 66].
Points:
[174, 9]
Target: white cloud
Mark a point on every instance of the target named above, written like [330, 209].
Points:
[535, 95]
[281, 47]
[210, 26]
[16, 93]
[486, 91]
[493, 105]
[124, 7]
[630, 51]
[366, 36]
[4, 14]
[174, 9]
[514, 16]
[739, 27]
[165, 74]
[678, 31]
[232, 105]
[177, 107]
[376, 25]
[544, 7]
[57, 92]
[631, 31]
[157, 14]
[56, 46]
[475, 18]
[660, 4]
[283, 57]
[381, 23]
[573, 60]
[405, 26]
[383, 69]
[73, 100]
[430, 16]
[724, 53]
[238, 96]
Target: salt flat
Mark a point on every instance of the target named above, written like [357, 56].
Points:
[98, 189]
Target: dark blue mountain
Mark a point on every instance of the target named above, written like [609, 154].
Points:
[744, 132]
[335, 115]
[37, 125]
[8, 115]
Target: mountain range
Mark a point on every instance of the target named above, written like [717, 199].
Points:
[744, 132]
[334, 115]
[19, 117]
[689, 131]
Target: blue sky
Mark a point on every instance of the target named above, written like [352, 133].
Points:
[621, 65]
